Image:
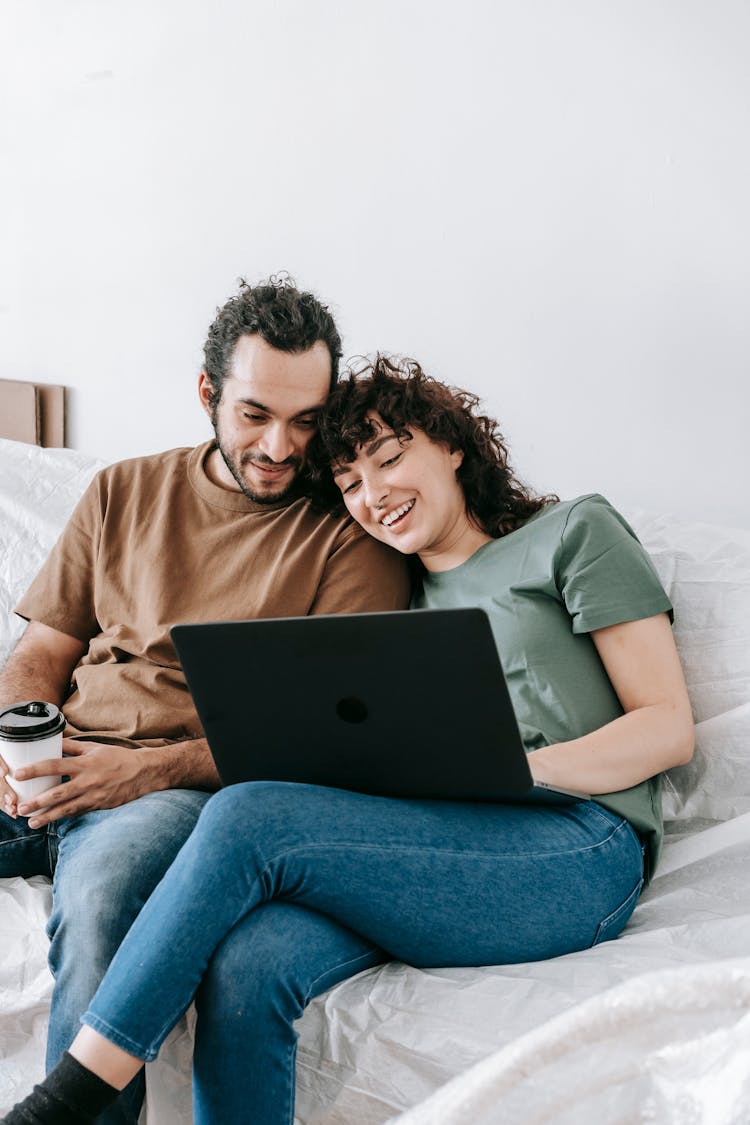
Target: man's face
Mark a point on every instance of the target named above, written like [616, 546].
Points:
[266, 416]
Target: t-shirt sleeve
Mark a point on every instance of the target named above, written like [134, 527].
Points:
[62, 594]
[603, 573]
[362, 576]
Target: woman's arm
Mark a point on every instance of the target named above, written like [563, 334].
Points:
[654, 734]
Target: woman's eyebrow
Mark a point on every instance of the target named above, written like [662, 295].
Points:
[374, 446]
[370, 451]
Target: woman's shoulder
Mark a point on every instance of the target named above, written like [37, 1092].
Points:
[581, 505]
[584, 527]
[596, 512]
[591, 508]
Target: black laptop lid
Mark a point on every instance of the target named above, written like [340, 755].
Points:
[406, 704]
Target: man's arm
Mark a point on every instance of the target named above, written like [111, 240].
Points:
[101, 776]
[39, 668]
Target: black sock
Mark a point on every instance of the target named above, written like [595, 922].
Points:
[71, 1094]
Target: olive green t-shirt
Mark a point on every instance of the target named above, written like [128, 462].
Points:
[153, 542]
[574, 567]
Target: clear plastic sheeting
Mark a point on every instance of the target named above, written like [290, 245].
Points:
[38, 490]
[669, 1047]
[408, 1032]
[25, 985]
[652, 1027]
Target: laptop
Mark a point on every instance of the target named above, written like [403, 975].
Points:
[400, 704]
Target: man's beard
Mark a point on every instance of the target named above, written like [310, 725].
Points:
[260, 497]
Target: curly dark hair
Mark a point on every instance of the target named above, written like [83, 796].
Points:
[278, 312]
[403, 395]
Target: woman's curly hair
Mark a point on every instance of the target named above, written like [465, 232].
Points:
[400, 392]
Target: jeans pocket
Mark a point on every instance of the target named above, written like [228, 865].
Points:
[24, 851]
[610, 926]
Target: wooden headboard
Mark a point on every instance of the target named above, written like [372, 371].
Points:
[32, 412]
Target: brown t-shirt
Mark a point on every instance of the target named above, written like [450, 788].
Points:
[154, 542]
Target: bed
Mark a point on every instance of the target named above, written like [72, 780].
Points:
[654, 1026]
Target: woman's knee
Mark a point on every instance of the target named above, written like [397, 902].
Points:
[234, 801]
[276, 959]
[252, 814]
[259, 968]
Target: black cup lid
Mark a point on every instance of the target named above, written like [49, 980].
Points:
[24, 722]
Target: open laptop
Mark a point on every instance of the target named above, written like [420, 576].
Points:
[402, 704]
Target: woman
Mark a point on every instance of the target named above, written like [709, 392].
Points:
[284, 890]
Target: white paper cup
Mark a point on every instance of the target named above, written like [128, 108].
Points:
[31, 732]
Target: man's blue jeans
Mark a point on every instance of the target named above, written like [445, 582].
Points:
[104, 865]
[283, 890]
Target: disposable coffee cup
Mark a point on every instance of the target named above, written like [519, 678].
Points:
[31, 732]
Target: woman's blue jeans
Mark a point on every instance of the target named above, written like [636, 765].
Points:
[283, 890]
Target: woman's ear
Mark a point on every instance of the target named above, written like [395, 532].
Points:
[457, 458]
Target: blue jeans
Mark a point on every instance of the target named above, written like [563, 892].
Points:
[104, 865]
[283, 890]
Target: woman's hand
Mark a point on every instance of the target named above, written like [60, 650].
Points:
[654, 734]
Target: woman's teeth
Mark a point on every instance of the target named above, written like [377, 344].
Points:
[397, 513]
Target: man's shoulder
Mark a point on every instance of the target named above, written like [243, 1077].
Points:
[147, 471]
[148, 463]
[333, 532]
[336, 524]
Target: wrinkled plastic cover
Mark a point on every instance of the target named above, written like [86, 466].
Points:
[38, 490]
[671, 1046]
[653, 1027]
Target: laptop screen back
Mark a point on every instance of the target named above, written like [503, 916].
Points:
[403, 704]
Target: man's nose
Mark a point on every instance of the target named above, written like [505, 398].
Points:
[276, 442]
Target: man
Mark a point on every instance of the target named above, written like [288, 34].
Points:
[218, 532]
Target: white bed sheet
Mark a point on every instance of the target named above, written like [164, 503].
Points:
[651, 1027]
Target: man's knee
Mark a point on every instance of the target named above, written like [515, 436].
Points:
[108, 865]
[91, 915]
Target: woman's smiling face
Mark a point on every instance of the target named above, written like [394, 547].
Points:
[404, 491]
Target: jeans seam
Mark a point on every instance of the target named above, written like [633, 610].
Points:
[19, 839]
[608, 918]
[340, 965]
[51, 832]
[117, 1037]
[427, 848]
[308, 996]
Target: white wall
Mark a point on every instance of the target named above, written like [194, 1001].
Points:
[544, 201]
